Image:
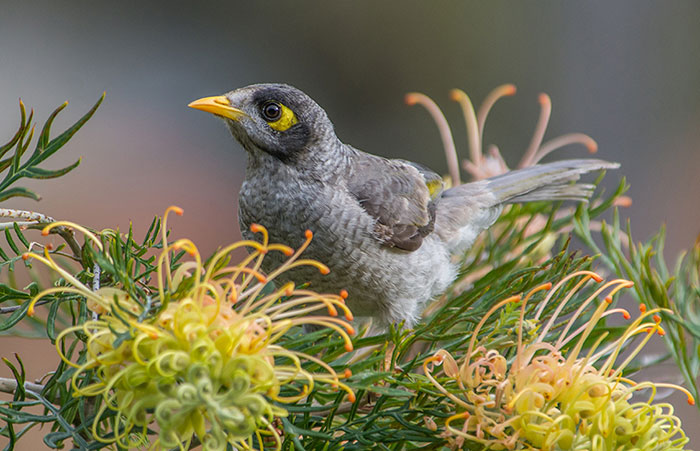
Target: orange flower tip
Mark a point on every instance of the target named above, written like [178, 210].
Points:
[289, 291]
[288, 251]
[255, 228]
[691, 400]
[509, 90]
[261, 278]
[153, 335]
[348, 373]
[263, 251]
[592, 146]
[349, 317]
[348, 347]
[308, 234]
[324, 270]
[544, 99]
[410, 99]
[661, 332]
[657, 319]
[30, 311]
[350, 329]
[191, 252]
[177, 210]
[623, 201]
[456, 94]
[547, 286]
[642, 308]
[351, 397]
[45, 232]
[26, 256]
[49, 246]
[597, 278]
[332, 311]
[608, 299]
[626, 315]
[344, 294]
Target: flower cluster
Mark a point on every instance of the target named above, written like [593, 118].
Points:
[204, 362]
[552, 395]
[481, 165]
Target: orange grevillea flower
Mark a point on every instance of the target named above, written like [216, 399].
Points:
[480, 164]
[206, 362]
[559, 391]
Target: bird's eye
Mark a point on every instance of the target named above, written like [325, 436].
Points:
[278, 116]
[271, 111]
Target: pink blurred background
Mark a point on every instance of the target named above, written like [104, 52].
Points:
[627, 74]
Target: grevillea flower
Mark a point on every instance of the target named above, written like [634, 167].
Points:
[562, 390]
[205, 363]
[482, 165]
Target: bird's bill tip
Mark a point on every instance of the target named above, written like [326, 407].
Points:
[218, 105]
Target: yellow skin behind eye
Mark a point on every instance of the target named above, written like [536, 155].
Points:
[435, 187]
[286, 120]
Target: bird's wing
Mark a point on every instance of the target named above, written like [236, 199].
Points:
[399, 195]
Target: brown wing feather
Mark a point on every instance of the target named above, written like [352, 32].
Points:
[396, 194]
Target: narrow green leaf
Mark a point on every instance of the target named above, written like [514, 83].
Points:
[40, 155]
[11, 293]
[11, 242]
[20, 235]
[16, 317]
[3, 255]
[44, 137]
[21, 146]
[18, 192]
[38, 173]
[20, 132]
[4, 164]
[51, 320]
[19, 394]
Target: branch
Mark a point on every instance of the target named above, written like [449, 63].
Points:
[10, 386]
[37, 221]
[12, 308]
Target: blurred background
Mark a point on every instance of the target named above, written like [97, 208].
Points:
[626, 73]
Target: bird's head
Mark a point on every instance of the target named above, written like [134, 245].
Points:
[274, 118]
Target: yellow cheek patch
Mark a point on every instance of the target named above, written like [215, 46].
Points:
[435, 187]
[285, 121]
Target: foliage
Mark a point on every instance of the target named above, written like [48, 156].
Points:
[161, 348]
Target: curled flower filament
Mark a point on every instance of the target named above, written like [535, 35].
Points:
[206, 361]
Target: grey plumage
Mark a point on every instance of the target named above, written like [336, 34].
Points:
[385, 228]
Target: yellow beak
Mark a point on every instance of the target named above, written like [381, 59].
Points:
[218, 105]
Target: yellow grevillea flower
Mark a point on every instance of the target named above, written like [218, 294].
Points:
[552, 396]
[205, 362]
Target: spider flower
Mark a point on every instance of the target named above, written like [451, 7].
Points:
[482, 165]
[204, 361]
[562, 390]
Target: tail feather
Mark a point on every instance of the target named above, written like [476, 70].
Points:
[579, 192]
[466, 210]
[551, 181]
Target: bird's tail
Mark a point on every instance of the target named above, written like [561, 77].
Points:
[466, 210]
[551, 181]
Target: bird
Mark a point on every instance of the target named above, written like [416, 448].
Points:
[387, 229]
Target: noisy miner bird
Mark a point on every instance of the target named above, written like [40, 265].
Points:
[386, 228]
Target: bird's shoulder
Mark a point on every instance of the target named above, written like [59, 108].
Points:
[400, 195]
